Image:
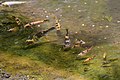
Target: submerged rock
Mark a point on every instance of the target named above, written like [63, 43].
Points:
[4, 75]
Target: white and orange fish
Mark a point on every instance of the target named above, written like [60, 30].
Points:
[13, 29]
[34, 23]
[104, 56]
[78, 43]
[30, 41]
[85, 52]
[89, 59]
[10, 3]
[57, 24]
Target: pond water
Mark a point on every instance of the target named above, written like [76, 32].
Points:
[97, 22]
[95, 17]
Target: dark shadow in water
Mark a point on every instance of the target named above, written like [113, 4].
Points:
[116, 72]
[104, 77]
[34, 45]
[115, 75]
[114, 8]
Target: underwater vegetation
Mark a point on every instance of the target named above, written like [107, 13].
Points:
[47, 59]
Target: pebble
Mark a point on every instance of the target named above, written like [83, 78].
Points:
[101, 26]
[83, 24]
[57, 9]
[38, 25]
[79, 10]
[107, 26]
[118, 21]
[6, 76]
[93, 25]
[85, 3]
[61, 15]
[33, 13]
[96, 1]
[69, 6]
[98, 47]
[105, 38]
[47, 16]
[76, 32]
[45, 11]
